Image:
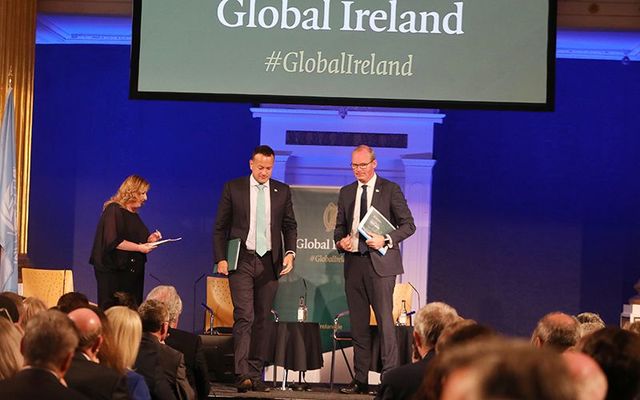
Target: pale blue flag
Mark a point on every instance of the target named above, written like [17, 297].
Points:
[8, 203]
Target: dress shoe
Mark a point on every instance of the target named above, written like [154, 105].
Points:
[355, 387]
[244, 384]
[259, 386]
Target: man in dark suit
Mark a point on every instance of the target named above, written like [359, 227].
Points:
[369, 275]
[257, 210]
[47, 346]
[162, 367]
[403, 382]
[86, 375]
[189, 344]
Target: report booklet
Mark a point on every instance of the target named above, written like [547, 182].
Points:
[375, 222]
[233, 255]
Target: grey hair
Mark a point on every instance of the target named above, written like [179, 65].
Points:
[432, 319]
[49, 338]
[169, 296]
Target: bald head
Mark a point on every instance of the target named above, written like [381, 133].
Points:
[89, 329]
[589, 380]
[556, 330]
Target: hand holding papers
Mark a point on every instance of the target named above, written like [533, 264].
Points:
[375, 223]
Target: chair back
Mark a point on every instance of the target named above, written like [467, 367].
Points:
[219, 300]
[46, 284]
[402, 291]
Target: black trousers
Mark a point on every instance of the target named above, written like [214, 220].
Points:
[253, 289]
[363, 288]
[112, 281]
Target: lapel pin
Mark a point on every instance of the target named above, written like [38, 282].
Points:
[377, 190]
[275, 190]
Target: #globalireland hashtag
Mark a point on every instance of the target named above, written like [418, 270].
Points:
[273, 61]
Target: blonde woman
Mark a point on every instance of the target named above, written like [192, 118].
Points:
[122, 242]
[32, 306]
[11, 360]
[126, 332]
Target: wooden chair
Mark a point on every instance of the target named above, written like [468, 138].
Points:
[219, 317]
[46, 284]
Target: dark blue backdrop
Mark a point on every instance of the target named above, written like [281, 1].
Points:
[532, 212]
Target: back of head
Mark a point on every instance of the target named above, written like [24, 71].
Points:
[48, 339]
[17, 300]
[507, 369]
[590, 317]
[8, 309]
[71, 301]
[588, 378]
[153, 314]
[618, 353]
[461, 332]
[88, 326]
[431, 320]
[10, 358]
[557, 331]
[32, 306]
[126, 329]
[169, 296]
[122, 299]
[633, 327]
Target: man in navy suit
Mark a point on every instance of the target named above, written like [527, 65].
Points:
[369, 275]
[258, 210]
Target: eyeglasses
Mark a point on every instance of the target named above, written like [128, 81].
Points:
[360, 166]
[4, 313]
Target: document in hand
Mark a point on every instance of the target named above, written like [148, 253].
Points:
[233, 255]
[375, 222]
[164, 241]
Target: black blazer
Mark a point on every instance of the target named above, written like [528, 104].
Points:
[163, 369]
[190, 345]
[403, 382]
[36, 383]
[232, 219]
[94, 380]
[389, 200]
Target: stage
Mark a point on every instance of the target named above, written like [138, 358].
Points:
[318, 391]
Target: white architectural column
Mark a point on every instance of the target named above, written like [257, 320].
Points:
[415, 251]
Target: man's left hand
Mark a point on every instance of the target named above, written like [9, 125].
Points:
[287, 264]
[376, 242]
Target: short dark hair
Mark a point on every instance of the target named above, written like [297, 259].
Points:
[10, 307]
[72, 300]
[618, 353]
[264, 150]
[153, 314]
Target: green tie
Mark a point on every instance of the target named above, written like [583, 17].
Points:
[261, 222]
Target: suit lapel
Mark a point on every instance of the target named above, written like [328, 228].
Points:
[377, 193]
[245, 194]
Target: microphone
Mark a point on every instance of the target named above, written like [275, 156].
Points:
[194, 300]
[211, 317]
[156, 278]
[417, 293]
[304, 282]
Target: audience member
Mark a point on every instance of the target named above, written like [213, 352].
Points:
[122, 299]
[461, 332]
[589, 323]
[17, 300]
[618, 353]
[72, 300]
[48, 346]
[633, 327]
[402, 382]
[126, 331]
[189, 344]
[32, 306]
[86, 375]
[588, 378]
[162, 367]
[498, 369]
[8, 309]
[556, 330]
[10, 358]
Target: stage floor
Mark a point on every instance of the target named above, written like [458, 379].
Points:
[318, 391]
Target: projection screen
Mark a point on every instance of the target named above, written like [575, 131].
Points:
[496, 54]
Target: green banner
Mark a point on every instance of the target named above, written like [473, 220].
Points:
[318, 264]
